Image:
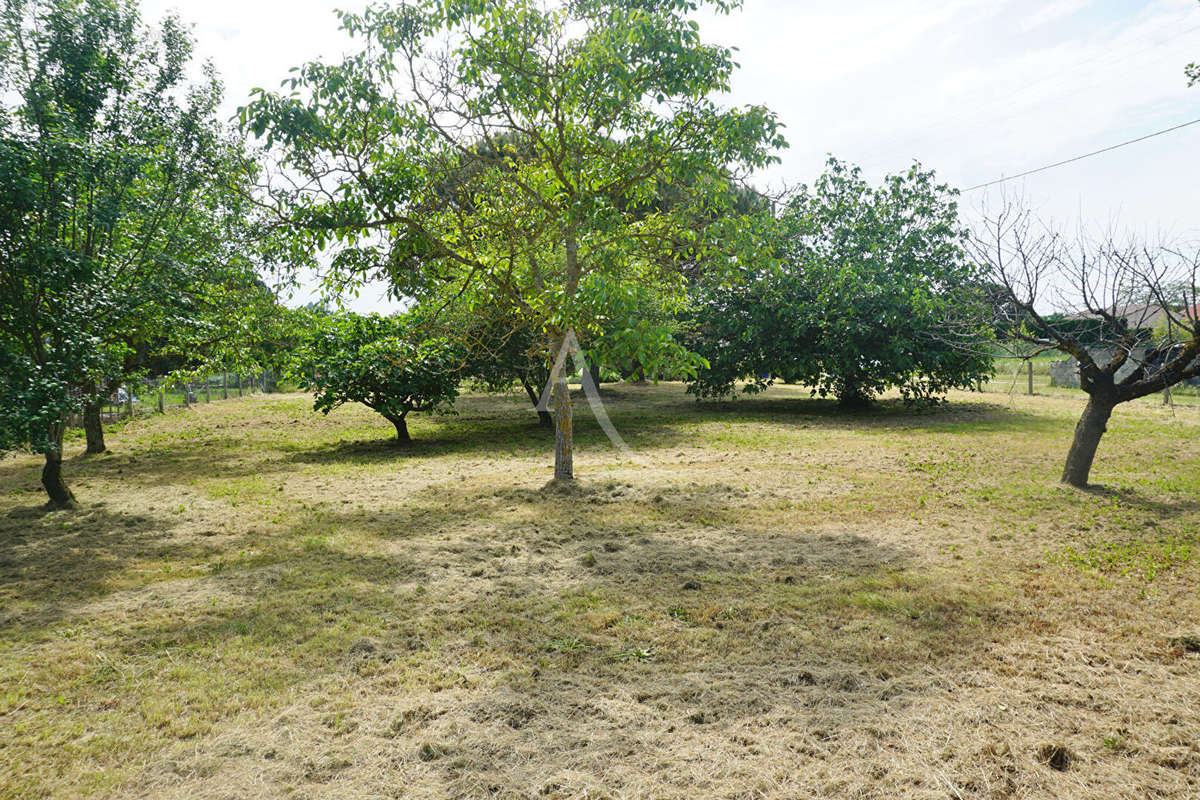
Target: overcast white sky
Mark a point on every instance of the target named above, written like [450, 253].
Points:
[976, 89]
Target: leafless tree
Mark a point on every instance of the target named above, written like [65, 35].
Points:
[1126, 311]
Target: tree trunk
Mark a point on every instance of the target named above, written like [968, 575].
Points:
[545, 418]
[564, 434]
[594, 369]
[1088, 431]
[560, 395]
[853, 398]
[52, 480]
[401, 430]
[93, 427]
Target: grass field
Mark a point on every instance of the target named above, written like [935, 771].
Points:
[780, 601]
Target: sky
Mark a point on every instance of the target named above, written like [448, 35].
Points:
[975, 89]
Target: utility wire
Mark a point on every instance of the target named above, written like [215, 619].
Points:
[1080, 158]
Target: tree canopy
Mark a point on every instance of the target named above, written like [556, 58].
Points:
[858, 296]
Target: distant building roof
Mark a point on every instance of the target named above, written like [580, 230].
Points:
[1146, 315]
[1142, 315]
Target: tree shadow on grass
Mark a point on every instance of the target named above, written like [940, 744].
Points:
[612, 625]
[661, 424]
[184, 463]
[53, 560]
[496, 436]
[53, 563]
[510, 436]
[1164, 509]
[618, 626]
[635, 603]
[978, 416]
[664, 635]
[517, 587]
[608, 532]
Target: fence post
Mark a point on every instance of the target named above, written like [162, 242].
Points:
[161, 410]
[1029, 368]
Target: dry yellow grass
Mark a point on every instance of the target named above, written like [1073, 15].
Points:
[255, 601]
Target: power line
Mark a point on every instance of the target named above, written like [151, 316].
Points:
[1080, 158]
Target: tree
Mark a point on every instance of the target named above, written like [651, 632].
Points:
[858, 299]
[501, 347]
[116, 205]
[514, 145]
[1089, 283]
[385, 363]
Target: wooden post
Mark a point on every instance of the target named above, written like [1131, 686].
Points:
[1029, 367]
[160, 400]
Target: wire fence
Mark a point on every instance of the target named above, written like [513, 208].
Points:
[1034, 377]
[161, 396]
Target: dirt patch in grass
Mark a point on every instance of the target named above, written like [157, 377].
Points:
[256, 601]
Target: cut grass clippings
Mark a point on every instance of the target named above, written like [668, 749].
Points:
[784, 601]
